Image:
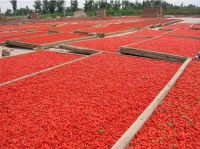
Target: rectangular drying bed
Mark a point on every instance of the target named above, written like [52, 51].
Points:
[14, 35]
[46, 41]
[178, 26]
[18, 66]
[9, 33]
[147, 33]
[111, 44]
[113, 29]
[165, 47]
[89, 104]
[71, 27]
[107, 30]
[195, 27]
[188, 33]
[175, 123]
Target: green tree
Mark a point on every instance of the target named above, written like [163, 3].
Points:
[89, 5]
[102, 4]
[14, 6]
[138, 5]
[132, 5]
[96, 5]
[8, 12]
[156, 3]
[45, 6]
[125, 4]
[38, 5]
[74, 5]
[191, 6]
[115, 4]
[86, 5]
[166, 5]
[23, 11]
[52, 6]
[146, 4]
[60, 5]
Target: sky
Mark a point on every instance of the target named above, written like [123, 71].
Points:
[5, 4]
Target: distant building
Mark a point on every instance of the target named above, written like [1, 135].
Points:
[80, 13]
[153, 12]
[35, 15]
[101, 13]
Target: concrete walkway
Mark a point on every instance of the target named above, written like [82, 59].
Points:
[190, 20]
[18, 51]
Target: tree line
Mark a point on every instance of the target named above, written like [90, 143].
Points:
[43, 7]
[58, 6]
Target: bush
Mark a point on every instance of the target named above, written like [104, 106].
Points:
[182, 11]
[91, 13]
[130, 12]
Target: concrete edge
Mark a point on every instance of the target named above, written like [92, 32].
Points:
[45, 46]
[7, 57]
[182, 36]
[1, 53]
[129, 135]
[79, 50]
[152, 54]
